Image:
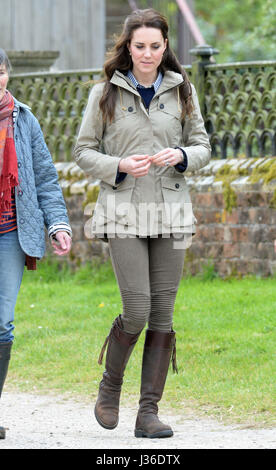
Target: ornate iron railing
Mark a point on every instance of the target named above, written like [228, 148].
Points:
[238, 104]
[58, 101]
[240, 113]
[237, 101]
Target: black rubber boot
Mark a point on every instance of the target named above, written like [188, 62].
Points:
[5, 354]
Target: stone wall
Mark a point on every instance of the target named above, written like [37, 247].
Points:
[234, 202]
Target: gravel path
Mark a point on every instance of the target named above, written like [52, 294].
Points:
[50, 422]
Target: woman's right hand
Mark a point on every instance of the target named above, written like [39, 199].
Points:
[135, 165]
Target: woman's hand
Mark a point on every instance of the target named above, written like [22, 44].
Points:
[167, 157]
[62, 244]
[135, 165]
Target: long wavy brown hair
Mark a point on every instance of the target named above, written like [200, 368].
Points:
[119, 59]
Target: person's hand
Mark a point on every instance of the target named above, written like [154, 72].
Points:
[167, 157]
[135, 165]
[62, 244]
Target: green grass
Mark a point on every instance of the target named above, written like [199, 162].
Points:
[225, 341]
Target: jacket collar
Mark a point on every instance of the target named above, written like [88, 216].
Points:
[170, 80]
[20, 105]
[155, 84]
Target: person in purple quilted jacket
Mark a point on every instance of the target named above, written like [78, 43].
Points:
[30, 198]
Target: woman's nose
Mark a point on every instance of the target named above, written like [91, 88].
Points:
[147, 53]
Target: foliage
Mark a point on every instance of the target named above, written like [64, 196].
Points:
[242, 31]
[208, 272]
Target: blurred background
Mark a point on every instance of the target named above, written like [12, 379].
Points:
[82, 30]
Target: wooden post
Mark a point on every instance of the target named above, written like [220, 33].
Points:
[76, 29]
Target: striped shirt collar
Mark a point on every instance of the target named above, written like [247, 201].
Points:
[155, 85]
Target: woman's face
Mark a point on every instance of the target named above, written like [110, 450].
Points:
[4, 78]
[146, 47]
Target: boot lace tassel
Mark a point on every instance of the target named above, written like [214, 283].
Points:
[174, 364]
[117, 321]
[100, 360]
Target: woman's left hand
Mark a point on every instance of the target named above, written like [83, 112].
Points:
[62, 244]
[167, 157]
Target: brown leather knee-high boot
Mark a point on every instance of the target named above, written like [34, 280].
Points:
[5, 354]
[159, 348]
[120, 347]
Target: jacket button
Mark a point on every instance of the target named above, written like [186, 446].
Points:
[177, 185]
[19, 164]
[130, 109]
[114, 187]
[20, 193]
[162, 106]
[22, 221]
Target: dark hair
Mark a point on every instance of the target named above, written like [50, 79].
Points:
[120, 59]
[5, 60]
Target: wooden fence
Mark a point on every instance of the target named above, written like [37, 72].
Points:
[76, 28]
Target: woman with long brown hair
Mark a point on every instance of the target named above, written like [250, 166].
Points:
[141, 131]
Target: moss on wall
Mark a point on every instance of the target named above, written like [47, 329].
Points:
[91, 195]
[272, 202]
[263, 173]
[226, 175]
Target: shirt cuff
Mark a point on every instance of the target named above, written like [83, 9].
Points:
[182, 166]
[120, 177]
[61, 227]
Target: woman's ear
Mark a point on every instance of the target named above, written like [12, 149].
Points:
[128, 46]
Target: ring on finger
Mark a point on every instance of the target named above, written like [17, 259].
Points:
[167, 162]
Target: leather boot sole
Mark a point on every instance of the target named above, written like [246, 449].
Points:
[106, 426]
[158, 434]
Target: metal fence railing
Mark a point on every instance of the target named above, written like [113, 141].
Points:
[238, 105]
[237, 102]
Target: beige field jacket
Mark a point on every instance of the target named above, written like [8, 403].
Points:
[158, 203]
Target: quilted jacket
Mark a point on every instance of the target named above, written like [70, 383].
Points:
[39, 199]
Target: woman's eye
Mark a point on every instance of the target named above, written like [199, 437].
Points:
[153, 47]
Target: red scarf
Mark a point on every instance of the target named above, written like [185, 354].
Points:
[8, 158]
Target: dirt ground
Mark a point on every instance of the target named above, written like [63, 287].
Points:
[55, 422]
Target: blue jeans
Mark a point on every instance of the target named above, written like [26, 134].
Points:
[12, 261]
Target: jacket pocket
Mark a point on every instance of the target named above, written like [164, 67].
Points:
[170, 118]
[177, 210]
[125, 124]
[125, 107]
[169, 105]
[114, 203]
